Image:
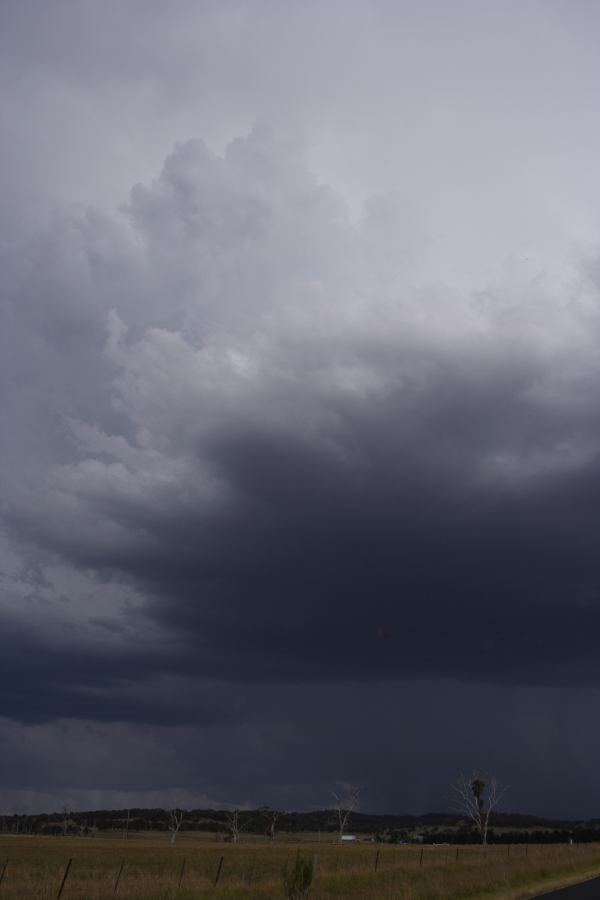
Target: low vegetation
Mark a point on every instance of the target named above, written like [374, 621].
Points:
[151, 868]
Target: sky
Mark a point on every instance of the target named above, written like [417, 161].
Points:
[300, 455]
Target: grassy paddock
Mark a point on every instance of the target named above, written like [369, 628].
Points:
[152, 869]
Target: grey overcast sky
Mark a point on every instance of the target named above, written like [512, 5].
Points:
[300, 453]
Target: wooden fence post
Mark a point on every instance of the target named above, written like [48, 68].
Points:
[218, 875]
[64, 880]
[421, 856]
[457, 852]
[376, 860]
[181, 873]
[4, 867]
[118, 878]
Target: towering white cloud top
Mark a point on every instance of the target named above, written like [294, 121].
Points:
[247, 368]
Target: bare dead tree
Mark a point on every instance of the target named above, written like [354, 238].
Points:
[126, 829]
[271, 815]
[345, 802]
[175, 822]
[476, 797]
[66, 820]
[233, 824]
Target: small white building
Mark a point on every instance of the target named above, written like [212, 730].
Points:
[349, 837]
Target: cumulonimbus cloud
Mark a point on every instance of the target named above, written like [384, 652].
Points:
[302, 456]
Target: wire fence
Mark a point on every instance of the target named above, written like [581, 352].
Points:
[107, 871]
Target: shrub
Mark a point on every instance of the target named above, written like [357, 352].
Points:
[297, 881]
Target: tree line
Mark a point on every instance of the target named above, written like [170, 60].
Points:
[475, 819]
[429, 829]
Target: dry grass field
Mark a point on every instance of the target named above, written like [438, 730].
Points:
[151, 868]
